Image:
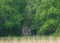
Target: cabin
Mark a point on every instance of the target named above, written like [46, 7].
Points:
[26, 31]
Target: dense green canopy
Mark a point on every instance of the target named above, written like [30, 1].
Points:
[41, 16]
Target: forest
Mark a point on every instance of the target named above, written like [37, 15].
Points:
[41, 16]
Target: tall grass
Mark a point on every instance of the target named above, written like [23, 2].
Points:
[30, 39]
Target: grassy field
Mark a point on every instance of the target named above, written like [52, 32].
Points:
[30, 39]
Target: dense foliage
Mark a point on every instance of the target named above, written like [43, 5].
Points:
[41, 16]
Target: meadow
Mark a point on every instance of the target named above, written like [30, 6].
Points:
[30, 39]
